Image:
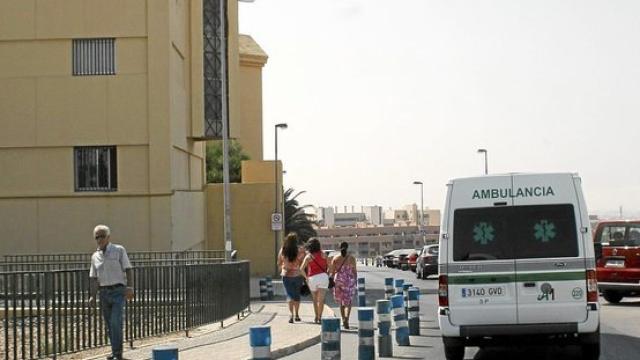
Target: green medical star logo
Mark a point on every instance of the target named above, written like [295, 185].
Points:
[483, 233]
[544, 231]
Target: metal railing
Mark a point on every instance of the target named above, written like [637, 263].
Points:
[51, 266]
[134, 255]
[46, 313]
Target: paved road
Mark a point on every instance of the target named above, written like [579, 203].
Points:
[619, 326]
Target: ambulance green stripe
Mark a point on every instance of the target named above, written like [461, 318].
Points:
[508, 278]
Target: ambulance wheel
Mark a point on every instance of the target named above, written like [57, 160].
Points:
[591, 351]
[453, 349]
[611, 296]
[591, 346]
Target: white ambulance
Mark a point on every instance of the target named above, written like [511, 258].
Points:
[516, 264]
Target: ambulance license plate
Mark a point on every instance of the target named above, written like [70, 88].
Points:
[488, 291]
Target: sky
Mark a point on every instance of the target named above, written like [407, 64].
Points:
[378, 94]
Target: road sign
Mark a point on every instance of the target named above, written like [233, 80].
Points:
[276, 222]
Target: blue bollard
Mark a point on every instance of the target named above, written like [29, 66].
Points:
[405, 294]
[402, 327]
[414, 311]
[260, 341]
[165, 352]
[269, 288]
[263, 290]
[385, 344]
[388, 288]
[362, 297]
[398, 285]
[366, 330]
[330, 338]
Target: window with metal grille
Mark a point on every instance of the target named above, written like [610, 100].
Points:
[94, 56]
[96, 168]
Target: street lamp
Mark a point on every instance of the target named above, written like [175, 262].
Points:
[421, 225]
[275, 203]
[486, 166]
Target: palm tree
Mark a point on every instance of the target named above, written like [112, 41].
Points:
[296, 220]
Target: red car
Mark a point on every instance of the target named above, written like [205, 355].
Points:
[412, 259]
[617, 244]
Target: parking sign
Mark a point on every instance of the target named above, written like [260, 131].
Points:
[276, 222]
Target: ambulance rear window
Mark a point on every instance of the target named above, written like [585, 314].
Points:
[515, 232]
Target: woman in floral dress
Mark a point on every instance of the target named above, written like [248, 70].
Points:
[345, 275]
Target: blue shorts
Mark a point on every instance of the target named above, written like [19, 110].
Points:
[292, 286]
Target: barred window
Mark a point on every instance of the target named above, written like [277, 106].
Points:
[94, 56]
[96, 168]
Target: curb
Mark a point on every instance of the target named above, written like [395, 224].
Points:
[292, 349]
[288, 350]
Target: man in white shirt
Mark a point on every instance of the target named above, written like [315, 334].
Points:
[110, 272]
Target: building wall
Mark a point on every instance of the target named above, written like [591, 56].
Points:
[147, 110]
[251, 207]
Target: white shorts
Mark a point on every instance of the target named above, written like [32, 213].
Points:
[319, 281]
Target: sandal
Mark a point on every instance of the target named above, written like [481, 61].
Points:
[298, 318]
[291, 320]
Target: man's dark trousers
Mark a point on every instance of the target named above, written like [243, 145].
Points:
[112, 304]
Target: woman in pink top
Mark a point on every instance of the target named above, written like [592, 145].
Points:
[289, 260]
[315, 268]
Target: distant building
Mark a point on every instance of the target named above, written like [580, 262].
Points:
[349, 219]
[372, 241]
[325, 216]
[374, 215]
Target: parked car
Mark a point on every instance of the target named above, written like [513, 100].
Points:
[388, 258]
[427, 263]
[402, 259]
[617, 244]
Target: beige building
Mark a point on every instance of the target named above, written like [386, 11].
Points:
[101, 111]
[373, 241]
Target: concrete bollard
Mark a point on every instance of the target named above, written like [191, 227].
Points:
[398, 285]
[330, 338]
[414, 311]
[263, 290]
[388, 288]
[405, 294]
[366, 330]
[269, 288]
[165, 352]
[362, 297]
[402, 327]
[260, 341]
[385, 344]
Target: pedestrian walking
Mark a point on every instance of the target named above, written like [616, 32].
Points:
[110, 273]
[345, 275]
[289, 260]
[315, 268]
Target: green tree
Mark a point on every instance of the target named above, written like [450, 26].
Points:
[296, 219]
[214, 161]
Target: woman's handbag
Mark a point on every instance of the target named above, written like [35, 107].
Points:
[304, 289]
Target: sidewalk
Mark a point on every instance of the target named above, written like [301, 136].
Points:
[232, 341]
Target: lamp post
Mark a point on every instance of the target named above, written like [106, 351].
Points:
[421, 225]
[486, 166]
[276, 189]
